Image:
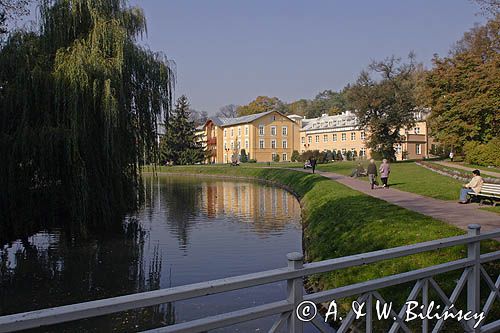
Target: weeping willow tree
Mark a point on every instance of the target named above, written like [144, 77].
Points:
[80, 102]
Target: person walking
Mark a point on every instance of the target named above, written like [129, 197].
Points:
[313, 164]
[372, 172]
[451, 156]
[385, 170]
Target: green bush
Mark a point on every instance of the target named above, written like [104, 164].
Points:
[483, 154]
[243, 156]
[252, 161]
[295, 156]
[276, 158]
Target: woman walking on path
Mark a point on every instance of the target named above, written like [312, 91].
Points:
[372, 172]
[385, 170]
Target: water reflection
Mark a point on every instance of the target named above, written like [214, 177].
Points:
[189, 230]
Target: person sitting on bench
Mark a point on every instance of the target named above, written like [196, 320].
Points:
[474, 186]
[359, 171]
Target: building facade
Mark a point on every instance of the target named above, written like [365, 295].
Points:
[269, 134]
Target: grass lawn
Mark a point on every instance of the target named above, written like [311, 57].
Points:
[492, 209]
[409, 177]
[339, 221]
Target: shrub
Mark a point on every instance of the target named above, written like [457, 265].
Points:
[295, 156]
[243, 156]
[252, 161]
[276, 158]
[483, 154]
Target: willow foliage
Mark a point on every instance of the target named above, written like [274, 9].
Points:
[79, 105]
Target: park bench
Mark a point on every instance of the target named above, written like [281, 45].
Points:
[490, 192]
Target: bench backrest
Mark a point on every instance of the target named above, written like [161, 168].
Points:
[491, 189]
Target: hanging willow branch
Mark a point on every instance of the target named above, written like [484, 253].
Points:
[79, 107]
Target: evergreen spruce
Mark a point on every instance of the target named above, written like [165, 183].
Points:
[179, 145]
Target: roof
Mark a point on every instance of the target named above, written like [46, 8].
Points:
[221, 121]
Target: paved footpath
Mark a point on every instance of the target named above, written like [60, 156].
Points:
[448, 211]
[459, 166]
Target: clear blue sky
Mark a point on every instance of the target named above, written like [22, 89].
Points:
[230, 51]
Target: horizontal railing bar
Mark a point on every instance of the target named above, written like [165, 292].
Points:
[487, 257]
[491, 327]
[387, 281]
[72, 312]
[401, 251]
[226, 319]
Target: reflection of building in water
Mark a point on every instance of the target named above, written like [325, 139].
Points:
[249, 202]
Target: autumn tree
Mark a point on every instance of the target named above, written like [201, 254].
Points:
[326, 102]
[463, 89]
[262, 104]
[383, 98]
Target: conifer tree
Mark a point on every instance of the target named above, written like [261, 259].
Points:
[179, 145]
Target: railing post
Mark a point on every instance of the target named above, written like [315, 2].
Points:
[295, 288]
[473, 282]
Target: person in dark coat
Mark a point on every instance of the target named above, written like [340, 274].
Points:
[372, 173]
[313, 164]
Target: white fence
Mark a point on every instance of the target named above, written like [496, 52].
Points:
[294, 274]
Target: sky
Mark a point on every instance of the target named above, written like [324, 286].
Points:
[231, 51]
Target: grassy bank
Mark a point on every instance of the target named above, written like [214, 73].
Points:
[339, 221]
[409, 177]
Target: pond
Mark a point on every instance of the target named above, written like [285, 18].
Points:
[189, 230]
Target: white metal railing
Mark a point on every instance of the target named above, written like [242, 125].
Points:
[294, 274]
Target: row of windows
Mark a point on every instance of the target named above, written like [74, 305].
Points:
[237, 145]
[284, 130]
[334, 137]
[362, 151]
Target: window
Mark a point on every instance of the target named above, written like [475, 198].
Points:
[225, 145]
[353, 136]
[417, 130]
[363, 135]
[273, 117]
[246, 130]
[317, 138]
[261, 144]
[232, 132]
[362, 152]
[344, 151]
[261, 129]
[273, 130]
[325, 138]
[238, 145]
[239, 131]
[303, 139]
[273, 156]
[344, 137]
[284, 144]
[353, 151]
[398, 148]
[232, 145]
[246, 144]
[284, 158]
[334, 137]
[225, 132]
[309, 139]
[273, 144]
[225, 158]
[418, 148]
[284, 130]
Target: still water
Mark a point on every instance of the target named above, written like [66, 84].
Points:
[189, 230]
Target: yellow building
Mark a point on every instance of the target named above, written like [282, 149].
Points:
[262, 136]
[265, 135]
